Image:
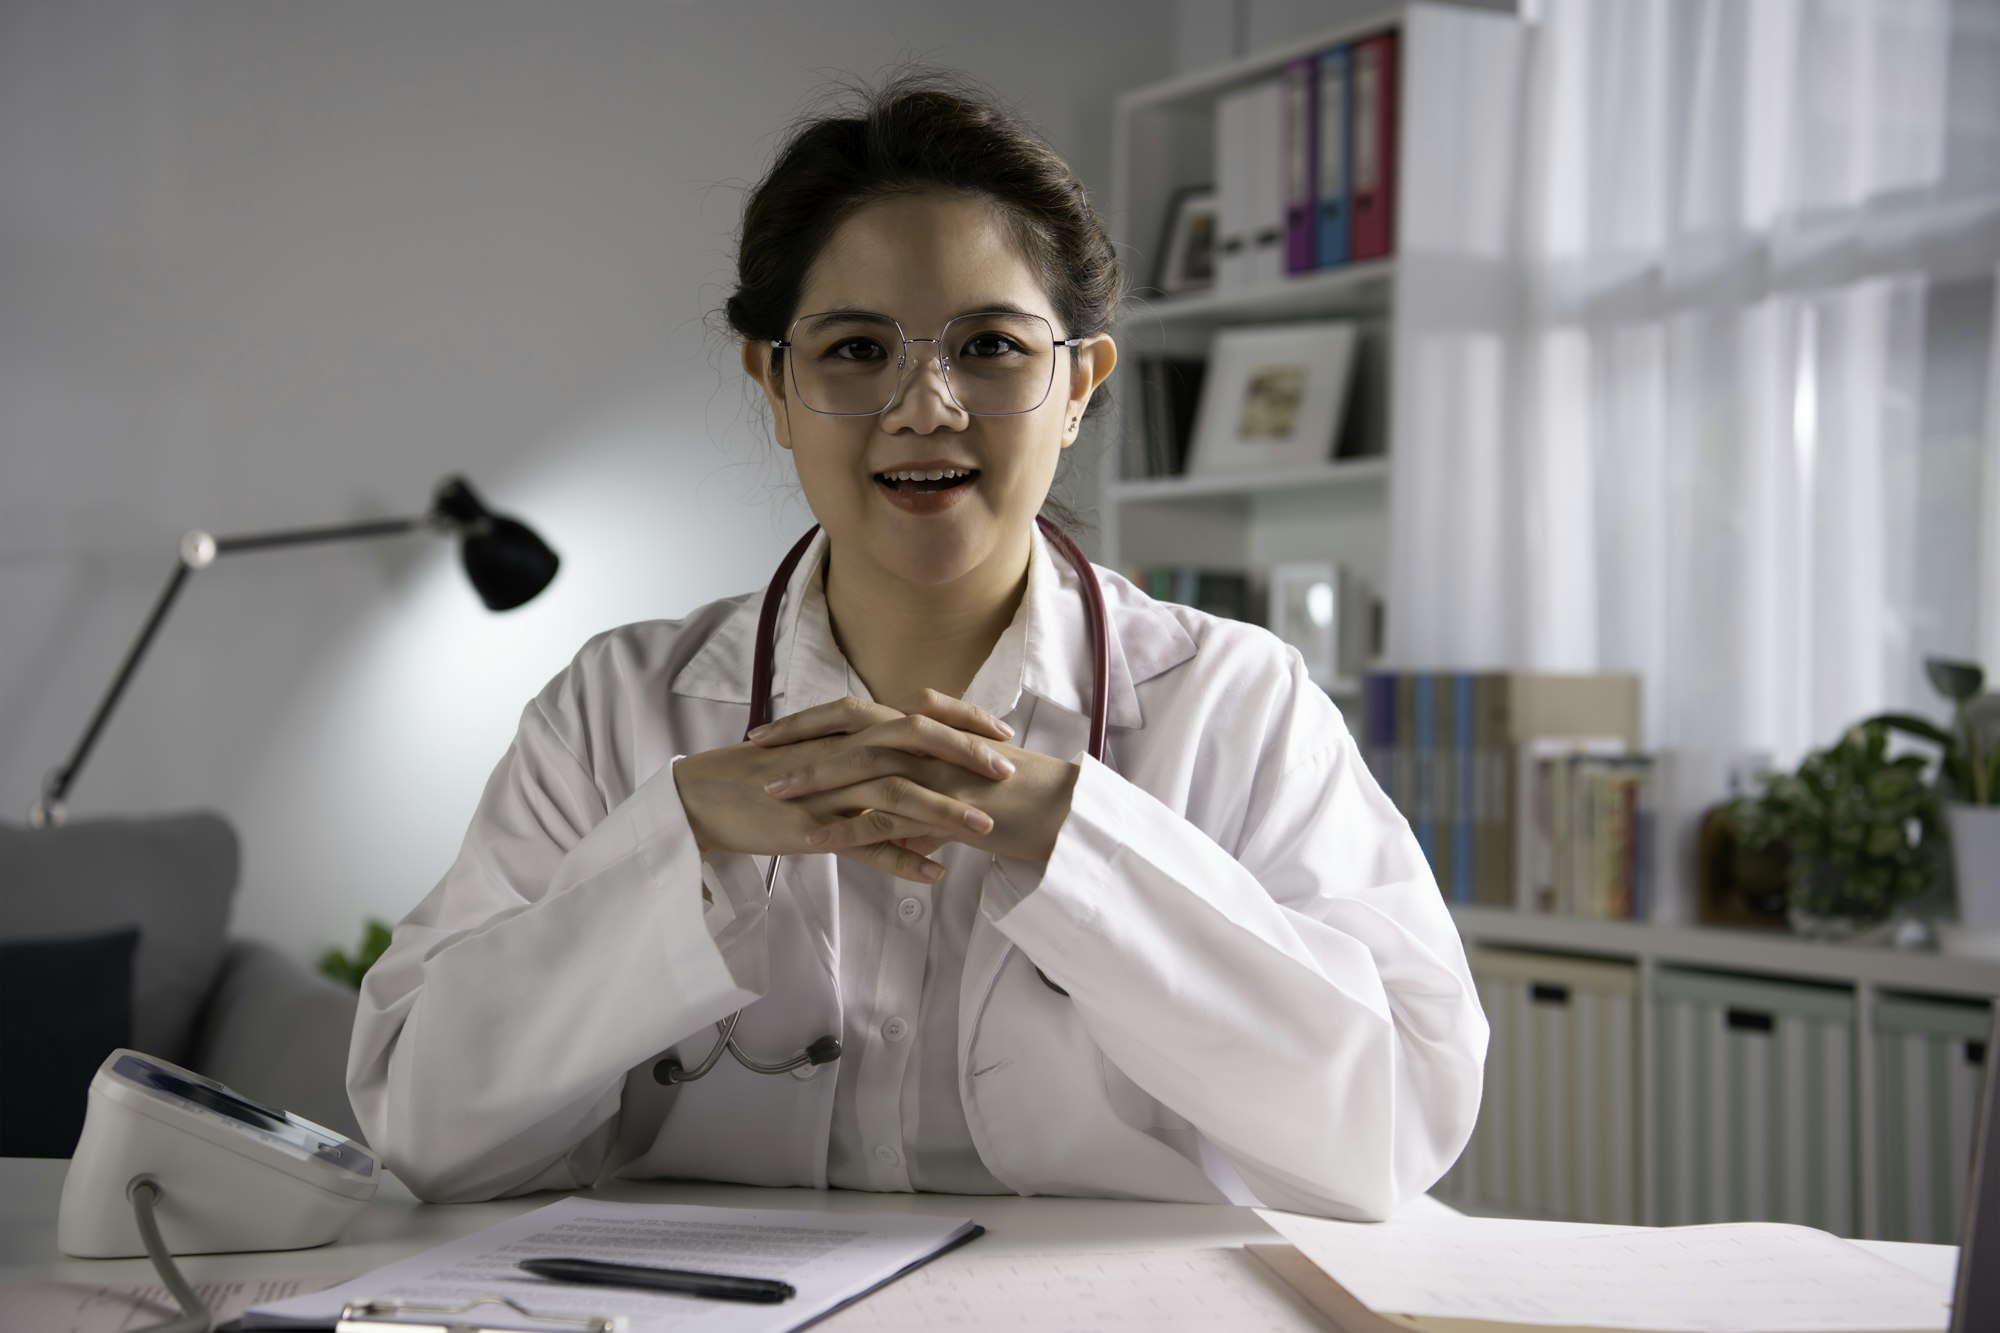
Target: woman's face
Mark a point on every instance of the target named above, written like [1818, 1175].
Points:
[921, 260]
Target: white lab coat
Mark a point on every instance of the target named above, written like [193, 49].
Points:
[1268, 1000]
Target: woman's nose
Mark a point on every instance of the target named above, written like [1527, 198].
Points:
[923, 400]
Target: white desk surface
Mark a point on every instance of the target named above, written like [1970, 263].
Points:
[395, 1225]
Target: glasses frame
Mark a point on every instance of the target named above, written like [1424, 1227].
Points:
[784, 344]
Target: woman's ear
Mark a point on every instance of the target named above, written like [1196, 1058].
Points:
[1094, 362]
[757, 365]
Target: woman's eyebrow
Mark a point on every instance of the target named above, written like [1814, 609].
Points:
[841, 314]
[844, 314]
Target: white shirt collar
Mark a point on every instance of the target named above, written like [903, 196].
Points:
[1044, 651]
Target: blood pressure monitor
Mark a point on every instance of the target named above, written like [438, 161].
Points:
[231, 1175]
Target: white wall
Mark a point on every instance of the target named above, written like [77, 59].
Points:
[267, 266]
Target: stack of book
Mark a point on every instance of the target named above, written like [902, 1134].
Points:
[1220, 592]
[1169, 390]
[1588, 826]
[1305, 166]
[1524, 789]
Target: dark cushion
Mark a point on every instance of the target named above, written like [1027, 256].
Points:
[64, 1005]
[171, 876]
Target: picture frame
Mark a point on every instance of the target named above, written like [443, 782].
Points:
[1305, 613]
[1187, 247]
[1273, 397]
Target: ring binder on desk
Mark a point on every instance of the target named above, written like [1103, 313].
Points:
[382, 1316]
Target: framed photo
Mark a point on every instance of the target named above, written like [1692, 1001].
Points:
[1305, 613]
[1273, 397]
[1187, 254]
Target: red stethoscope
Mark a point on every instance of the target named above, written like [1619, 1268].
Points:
[669, 1069]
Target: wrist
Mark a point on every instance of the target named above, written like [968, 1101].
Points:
[704, 841]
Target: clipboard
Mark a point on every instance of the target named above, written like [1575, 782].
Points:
[504, 1314]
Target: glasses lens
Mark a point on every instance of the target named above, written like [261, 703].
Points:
[1000, 363]
[847, 364]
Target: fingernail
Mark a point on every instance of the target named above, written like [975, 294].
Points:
[776, 785]
[819, 837]
[1004, 728]
[759, 733]
[978, 821]
[1002, 766]
[933, 871]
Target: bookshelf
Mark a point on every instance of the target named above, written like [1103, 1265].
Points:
[1163, 142]
[1242, 487]
[1459, 68]
[1352, 289]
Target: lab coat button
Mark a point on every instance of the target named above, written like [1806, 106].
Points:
[886, 1155]
[911, 910]
[895, 1029]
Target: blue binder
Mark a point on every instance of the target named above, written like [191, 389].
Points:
[1336, 153]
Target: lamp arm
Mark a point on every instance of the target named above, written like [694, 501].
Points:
[198, 549]
[387, 527]
[49, 809]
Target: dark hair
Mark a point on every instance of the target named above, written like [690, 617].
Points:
[922, 130]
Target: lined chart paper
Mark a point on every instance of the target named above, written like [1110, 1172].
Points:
[1175, 1291]
[71, 1307]
[1750, 1277]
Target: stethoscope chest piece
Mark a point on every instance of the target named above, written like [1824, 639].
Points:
[668, 1071]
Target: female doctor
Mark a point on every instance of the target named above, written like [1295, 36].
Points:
[1199, 958]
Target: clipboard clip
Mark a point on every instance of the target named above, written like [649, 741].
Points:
[385, 1316]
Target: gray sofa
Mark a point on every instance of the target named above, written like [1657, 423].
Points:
[114, 932]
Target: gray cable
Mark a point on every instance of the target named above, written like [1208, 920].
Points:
[145, 1192]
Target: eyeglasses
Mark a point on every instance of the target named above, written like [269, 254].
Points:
[996, 363]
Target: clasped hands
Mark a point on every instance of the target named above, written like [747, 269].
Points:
[878, 784]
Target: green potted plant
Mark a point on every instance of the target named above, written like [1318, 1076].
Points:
[1969, 784]
[349, 969]
[1861, 829]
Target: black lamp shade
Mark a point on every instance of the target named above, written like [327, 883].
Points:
[507, 563]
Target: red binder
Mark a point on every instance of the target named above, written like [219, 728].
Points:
[1374, 165]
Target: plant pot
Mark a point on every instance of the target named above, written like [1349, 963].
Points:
[1818, 908]
[1975, 858]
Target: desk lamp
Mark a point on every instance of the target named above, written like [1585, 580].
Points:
[507, 563]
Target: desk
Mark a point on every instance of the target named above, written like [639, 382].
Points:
[395, 1225]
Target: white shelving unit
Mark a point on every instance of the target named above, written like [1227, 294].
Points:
[1866, 976]
[1163, 141]
[1459, 68]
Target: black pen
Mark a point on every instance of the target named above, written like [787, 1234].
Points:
[688, 1282]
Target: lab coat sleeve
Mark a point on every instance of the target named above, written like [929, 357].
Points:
[1301, 997]
[567, 944]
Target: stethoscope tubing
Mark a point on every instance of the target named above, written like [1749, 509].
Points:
[669, 1071]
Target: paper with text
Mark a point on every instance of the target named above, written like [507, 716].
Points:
[1174, 1291]
[1745, 1277]
[829, 1257]
[79, 1307]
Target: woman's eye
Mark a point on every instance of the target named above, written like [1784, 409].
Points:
[856, 349]
[990, 344]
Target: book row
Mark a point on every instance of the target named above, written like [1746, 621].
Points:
[1524, 790]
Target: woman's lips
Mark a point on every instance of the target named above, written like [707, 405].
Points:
[919, 498]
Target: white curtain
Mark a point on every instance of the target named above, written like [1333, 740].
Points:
[1706, 386]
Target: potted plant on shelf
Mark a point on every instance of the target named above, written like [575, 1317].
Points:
[1968, 783]
[1861, 830]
